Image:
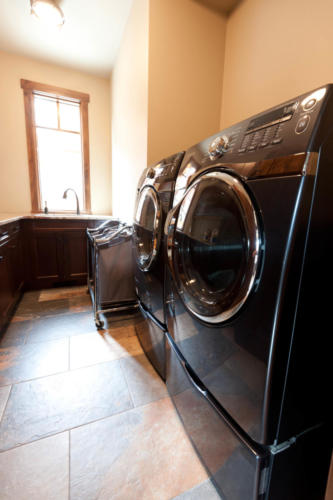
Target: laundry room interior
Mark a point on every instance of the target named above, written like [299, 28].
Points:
[165, 230]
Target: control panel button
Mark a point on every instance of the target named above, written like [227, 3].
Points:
[310, 104]
[268, 135]
[245, 142]
[218, 147]
[256, 139]
[278, 135]
[151, 173]
[251, 145]
[263, 144]
[289, 109]
[302, 124]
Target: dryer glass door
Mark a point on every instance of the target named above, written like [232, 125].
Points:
[215, 247]
[147, 228]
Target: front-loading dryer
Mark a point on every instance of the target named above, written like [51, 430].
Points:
[250, 243]
[154, 200]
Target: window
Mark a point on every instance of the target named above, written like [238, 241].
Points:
[58, 146]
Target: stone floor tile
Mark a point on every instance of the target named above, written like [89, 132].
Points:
[204, 491]
[25, 362]
[80, 303]
[36, 309]
[62, 293]
[17, 318]
[57, 327]
[36, 471]
[121, 331]
[15, 333]
[53, 404]
[140, 454]
[118, 452]
[144, 384]
[4, 394]
[99, 347]
[30, 296]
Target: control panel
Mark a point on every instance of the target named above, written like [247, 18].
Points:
[291, 128]
[267, 129]
[167, 169]
[162, 175]
[285, 127]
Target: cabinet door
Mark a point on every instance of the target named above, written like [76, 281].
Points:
[46, 246]
[5, 284]
[16, 263]
[75, 254]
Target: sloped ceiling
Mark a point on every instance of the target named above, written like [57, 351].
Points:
[88, 41]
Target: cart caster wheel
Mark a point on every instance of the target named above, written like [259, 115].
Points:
[99, 324]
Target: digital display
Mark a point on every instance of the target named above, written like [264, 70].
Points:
[272, 116]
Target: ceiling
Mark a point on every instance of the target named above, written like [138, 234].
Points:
[88, 41]
[224, 7]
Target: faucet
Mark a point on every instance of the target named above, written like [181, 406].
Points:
[77, 199]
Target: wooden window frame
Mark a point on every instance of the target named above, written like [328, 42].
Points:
[30, 89]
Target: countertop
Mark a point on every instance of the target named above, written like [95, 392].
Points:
[7, 218]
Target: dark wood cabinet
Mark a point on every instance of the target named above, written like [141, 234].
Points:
[40, 253]
[46, 252]
[75, 254]
[15, 256]
[5, 287]
[11, 270]
[56, 252]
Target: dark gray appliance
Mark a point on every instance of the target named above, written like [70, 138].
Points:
[249, 243]
[154, 200]
[111, 279]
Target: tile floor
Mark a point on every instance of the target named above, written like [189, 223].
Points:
[83, 415]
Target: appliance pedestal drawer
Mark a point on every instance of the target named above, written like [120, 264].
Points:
[238, 469]
[151, 337]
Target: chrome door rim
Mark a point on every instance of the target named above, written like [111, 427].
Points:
[156, 230]
[253, 239]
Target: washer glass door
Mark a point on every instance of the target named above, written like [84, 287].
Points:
[215, 247]
[147, 228]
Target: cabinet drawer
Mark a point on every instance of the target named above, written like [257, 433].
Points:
[8, 230]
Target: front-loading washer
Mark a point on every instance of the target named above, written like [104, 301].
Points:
[250, 243]
[154, 200]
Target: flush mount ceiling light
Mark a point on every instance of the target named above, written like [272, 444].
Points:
[47, 11]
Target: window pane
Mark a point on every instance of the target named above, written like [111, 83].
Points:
[69, 116]
[60, 167]
[45, 112]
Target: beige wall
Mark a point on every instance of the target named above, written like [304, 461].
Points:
[14, 177]
[129, 111]
[186, 54]
[275, 50]
[166, 88]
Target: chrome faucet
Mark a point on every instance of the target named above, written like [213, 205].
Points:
[77, 199]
